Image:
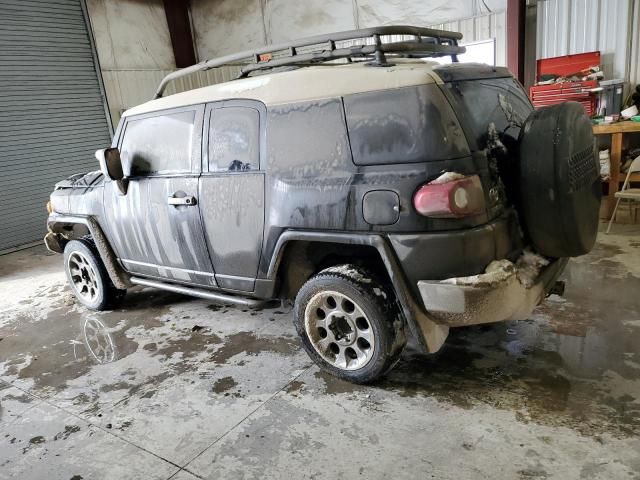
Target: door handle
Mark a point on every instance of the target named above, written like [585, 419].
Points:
[185, 201]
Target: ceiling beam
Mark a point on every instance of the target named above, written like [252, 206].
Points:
[515, 37]
[177, 12]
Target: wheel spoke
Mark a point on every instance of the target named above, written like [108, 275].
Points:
[341, 359]
[321, 322]
[323, 343]
[366, 334]
[361, 352]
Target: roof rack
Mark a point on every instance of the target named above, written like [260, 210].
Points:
[362, 45]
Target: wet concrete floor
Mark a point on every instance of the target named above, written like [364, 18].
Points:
[173, 387]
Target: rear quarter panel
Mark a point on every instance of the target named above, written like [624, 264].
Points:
[312, 182]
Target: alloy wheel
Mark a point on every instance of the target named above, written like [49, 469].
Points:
[83, 277]
[339, 330]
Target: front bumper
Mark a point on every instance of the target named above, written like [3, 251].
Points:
[506, 291]
[54, 242]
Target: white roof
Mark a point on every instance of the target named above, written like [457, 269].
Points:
[304, 84]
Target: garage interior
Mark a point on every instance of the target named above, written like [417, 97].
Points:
[168, 386]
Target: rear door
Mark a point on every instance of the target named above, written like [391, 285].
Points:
[155, 227]
[232, 190]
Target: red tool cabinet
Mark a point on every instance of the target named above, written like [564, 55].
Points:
[577, 91]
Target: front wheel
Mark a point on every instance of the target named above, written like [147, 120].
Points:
[88, 277]
[349, 324]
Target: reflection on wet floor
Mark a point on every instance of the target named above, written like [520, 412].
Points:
[574, 363]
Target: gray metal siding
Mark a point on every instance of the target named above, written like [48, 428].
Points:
[52, 115]
[577, 26]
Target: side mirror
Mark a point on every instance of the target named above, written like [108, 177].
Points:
[111, 167]
[110, 163]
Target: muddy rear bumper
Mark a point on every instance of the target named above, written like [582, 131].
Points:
[506, 291]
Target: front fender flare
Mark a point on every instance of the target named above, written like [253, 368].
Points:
[58, 224]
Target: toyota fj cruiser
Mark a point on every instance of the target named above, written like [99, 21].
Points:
[386, 194]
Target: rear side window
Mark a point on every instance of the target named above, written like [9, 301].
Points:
[309, 139]
[234, 139]
[158, 144]
[500, 101]
[404, 125]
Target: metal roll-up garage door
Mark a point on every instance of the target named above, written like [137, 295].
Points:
[52, 111]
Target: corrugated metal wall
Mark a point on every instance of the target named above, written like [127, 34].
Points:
[634, 60]
[577, 26]
[52, 115]
[484, 27]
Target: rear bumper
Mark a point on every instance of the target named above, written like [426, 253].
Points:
[457, 253]
[506, 291]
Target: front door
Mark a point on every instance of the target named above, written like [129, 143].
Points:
[232, 191]
[155, 226]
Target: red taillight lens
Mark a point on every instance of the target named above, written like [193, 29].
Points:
[460, 197]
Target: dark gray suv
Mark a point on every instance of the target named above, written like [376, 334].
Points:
[386, 194]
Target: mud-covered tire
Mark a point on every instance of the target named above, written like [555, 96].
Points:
[365, 308]
[559, 181]
[88, 277]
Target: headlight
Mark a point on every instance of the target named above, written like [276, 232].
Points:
[49, 207]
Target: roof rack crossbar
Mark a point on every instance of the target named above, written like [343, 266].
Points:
[426, 42]
[364, 51]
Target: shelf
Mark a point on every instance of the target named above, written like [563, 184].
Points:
[619, 127]
[635, 177]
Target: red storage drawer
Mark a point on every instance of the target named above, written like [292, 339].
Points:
[578, 91]
[544, 95]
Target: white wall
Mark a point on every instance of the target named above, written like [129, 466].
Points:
[483, 27]
[227, 26]
[134, 49]
[135, 53]
[131, 34]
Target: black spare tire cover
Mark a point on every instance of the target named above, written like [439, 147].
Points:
[559, 181]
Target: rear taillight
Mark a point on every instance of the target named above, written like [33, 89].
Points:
[450, 196]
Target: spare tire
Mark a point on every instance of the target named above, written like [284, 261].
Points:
[559, 180]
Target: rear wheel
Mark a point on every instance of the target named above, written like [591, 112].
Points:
[349, 324]
[88, 277]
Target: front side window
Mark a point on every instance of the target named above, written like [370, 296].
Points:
[158, 144]
[234, 138]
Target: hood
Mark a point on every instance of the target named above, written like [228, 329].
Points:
[81, 180]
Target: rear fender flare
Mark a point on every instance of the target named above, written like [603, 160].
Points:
[430, 334]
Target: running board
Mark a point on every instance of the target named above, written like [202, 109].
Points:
[199, 292]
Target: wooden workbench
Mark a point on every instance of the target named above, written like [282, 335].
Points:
[616, 130]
